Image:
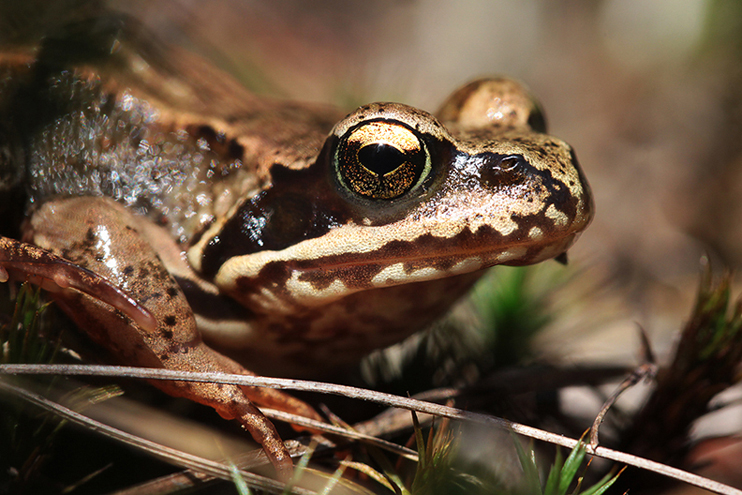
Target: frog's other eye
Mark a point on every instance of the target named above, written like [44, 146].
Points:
[499, 101]
[381, 159]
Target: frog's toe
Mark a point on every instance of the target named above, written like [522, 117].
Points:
[263, 432]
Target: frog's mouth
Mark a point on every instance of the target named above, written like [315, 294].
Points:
[371, 271]
[330, 276]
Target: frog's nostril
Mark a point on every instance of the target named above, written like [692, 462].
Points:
[509, 162]
[496, 170]
[496, 163]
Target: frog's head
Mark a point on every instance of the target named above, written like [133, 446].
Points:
[398, 196]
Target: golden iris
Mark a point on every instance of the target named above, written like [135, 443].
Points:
[380, 160]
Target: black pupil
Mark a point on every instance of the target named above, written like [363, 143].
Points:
[381, 158]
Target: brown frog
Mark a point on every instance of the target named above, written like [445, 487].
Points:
[165, 203]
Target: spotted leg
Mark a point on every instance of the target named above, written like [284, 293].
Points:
[22, 261]
[104, 239]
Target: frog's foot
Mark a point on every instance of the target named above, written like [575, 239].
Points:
[229, 401]
[233, 402]
[115, 244]
[266, 397]
[23, 261]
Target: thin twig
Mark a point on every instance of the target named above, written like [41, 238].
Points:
[378, 397]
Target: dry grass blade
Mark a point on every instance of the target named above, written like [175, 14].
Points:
[646, 371]
[378, 397]
[174, 456]
[348, 433]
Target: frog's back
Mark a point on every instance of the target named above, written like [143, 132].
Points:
[130, 125]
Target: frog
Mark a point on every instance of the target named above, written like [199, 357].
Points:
[183, 222]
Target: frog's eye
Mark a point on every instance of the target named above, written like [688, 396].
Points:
[381, 159]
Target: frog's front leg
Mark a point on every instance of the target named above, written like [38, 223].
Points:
[103, 237]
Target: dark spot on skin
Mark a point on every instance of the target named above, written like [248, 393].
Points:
[168, 334]
[162, 274]
[183, 347]
[90, 235]
[235, 151]
[177, 348]
[205, 131]
[172, 292]
[164, 357]
[128, 270]
[170, 321]
[150, 297]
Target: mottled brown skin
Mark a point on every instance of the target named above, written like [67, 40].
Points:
[334, 240]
